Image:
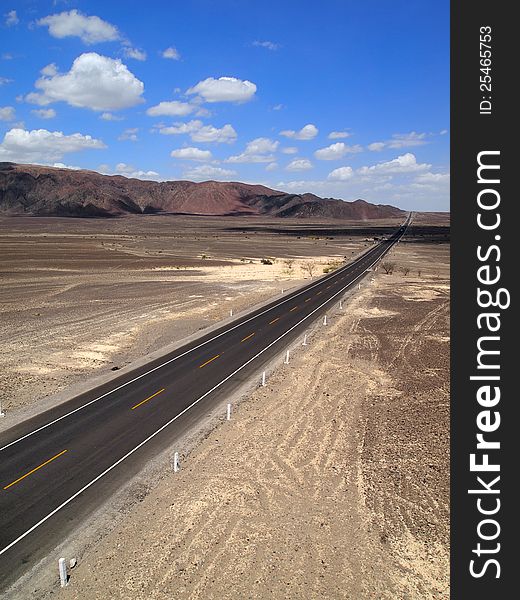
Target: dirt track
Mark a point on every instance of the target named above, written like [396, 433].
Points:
[332, 482]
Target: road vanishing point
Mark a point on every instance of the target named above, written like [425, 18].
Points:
[59, 466]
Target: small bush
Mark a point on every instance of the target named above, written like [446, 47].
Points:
[266, 261]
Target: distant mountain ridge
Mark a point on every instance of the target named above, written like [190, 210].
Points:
[50, 191]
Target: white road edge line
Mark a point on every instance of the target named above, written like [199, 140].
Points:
[23, 437]
[85, 487]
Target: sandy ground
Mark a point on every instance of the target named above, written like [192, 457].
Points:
[80, 297]
[331, 482]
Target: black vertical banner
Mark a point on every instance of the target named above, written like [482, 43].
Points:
[483, 123]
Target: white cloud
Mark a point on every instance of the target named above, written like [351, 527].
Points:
[129, 134]
[129, 171]
[224, 89]
[106, 116]
[5, 80]
[134, 53]
[44, 113]
[406, 163]
[202, 133]
[272, 166]
[432, 179]
[91, 30]
[171, 109]
[299, 164]
[94, 81]
[290, 150]
[42, 146]
[258, 150]
[376, 146]
[49, 70]
[443, 132]
[7, 113]
[308, 132]
[400, 140]
[204, 172]
[338, 135]
[336, 151]
[11, 18]
[191, 154]
[171, 53]
[267, 44]
[341, 174]
[278, 106]
[60, 165]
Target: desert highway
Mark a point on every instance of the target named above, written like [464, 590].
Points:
[57, 467]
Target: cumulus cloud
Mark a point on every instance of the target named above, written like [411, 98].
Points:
[44, 113]
[432, 180]
[202, 133]
[406, 163]
[205, 172]
[336, 151]
[129, 134]
[134, 53]
[91, 30]
[191, 154]
[258, 150]
[290, 150]
[107, 116]
[338, 135]
[400, 140]
[376, 146]
[224, 89]
[341, 174]
[308, 132]
[43, 146]
[7, 113]
[266, 44]
[171, 53]
[129, 171]
[11, 18]
[94, 81]
[171, 109]
[299, 164]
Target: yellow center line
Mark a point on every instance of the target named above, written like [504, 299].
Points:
[274, 320]
[249, 336]
[35, 469]
[308, 299]
[319, 293]
[328, 287]
[293, 308]
[149, 398]
[208, 361]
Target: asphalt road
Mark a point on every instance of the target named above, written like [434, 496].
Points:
[57, 467]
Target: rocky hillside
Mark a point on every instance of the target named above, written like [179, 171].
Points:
[48, 191]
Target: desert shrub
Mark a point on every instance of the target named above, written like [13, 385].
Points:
[266, 261]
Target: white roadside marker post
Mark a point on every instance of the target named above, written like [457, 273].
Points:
[228, 412]
[325, 320]
[358, 286]
[340, 304]
[62, 567]
[176, 462]
[286, 361]
[304, 340]
[231, 312]
[2, 413]
[263, 379]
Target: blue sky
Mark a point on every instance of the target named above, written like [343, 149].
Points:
[341, 98]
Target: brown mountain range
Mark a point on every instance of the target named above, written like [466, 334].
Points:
[49, 191]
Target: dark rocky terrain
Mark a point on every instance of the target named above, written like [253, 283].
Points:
[48, 191]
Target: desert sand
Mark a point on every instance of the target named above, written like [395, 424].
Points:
[331, 482]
